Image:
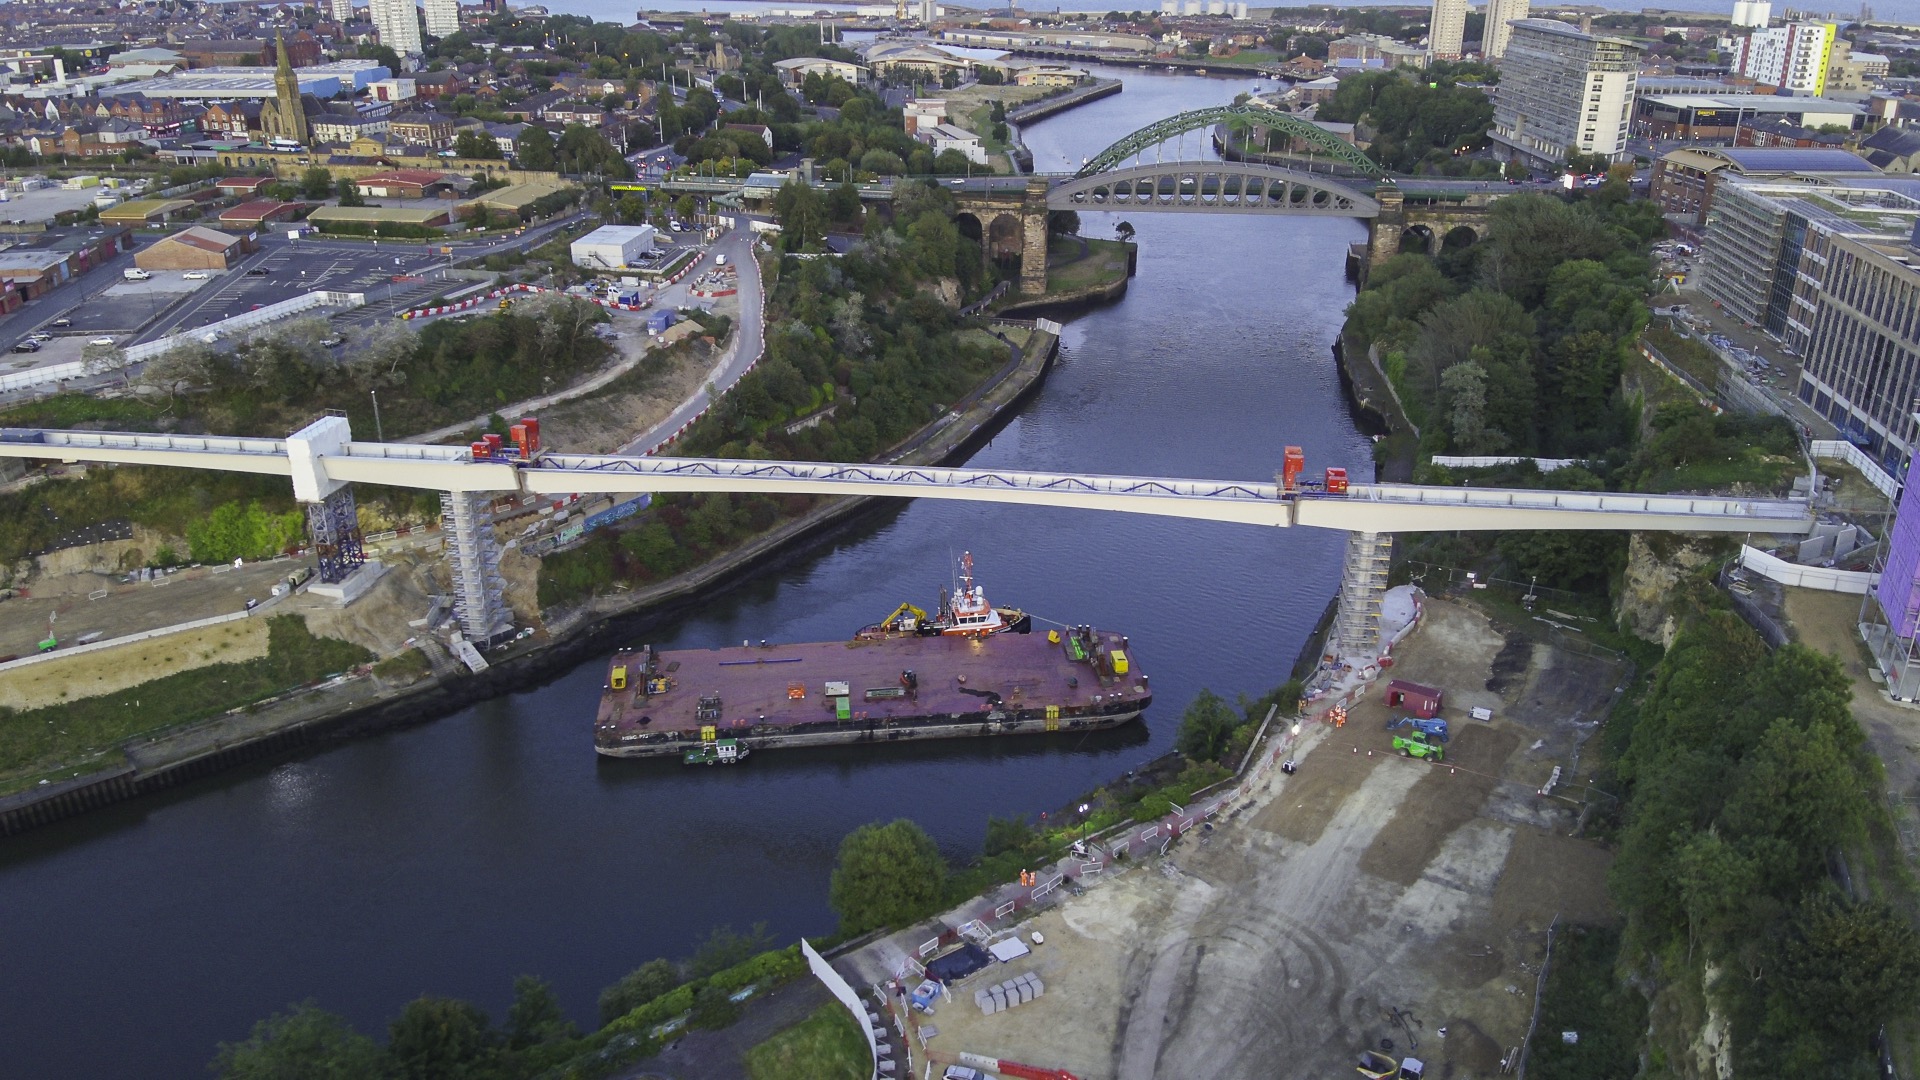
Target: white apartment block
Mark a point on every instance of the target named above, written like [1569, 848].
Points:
[443, 17]
[1447, 32]
[1501, 14]
[398, 22]
[1563, 92]
[1793, 57]
[340, 11]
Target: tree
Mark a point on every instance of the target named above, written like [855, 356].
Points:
[533, 150]
[349, 194]
[535, 1016]
[886, 875]
[637, 987]
[307, 1043]
[802, 214]
[1850, 967]
[1205, 727]
[1063, 223]
[477, 145]
[436, 1038]
[316, 183]
[724, 949]
[683, 208]
[1464, 387]
[1124, 230]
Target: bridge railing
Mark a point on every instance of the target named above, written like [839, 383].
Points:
[901, 475]
[121, 441]
[1604, 502]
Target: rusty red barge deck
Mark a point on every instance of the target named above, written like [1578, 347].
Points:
[907, 687]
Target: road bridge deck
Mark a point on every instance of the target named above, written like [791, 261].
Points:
[1365, 507]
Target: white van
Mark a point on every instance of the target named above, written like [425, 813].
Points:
[719, 260]
[134, 273]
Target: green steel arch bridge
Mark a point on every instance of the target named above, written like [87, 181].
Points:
[1234, 116]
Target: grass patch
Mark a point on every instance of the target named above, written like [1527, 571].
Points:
[824, 1046]
[408, 665]
[34, 742]
[1105, 263]
[1687, 354]
[1584, 996]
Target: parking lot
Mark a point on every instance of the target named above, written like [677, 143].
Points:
[287, 269]
[43, 204]
[127, 306]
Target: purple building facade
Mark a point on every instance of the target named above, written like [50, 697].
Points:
[1899, 590]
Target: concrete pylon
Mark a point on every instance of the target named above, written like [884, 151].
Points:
[1363, 587]
[479, 592]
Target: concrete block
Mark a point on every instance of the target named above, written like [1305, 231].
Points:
[1026, 993]
[887, 1067]
[1039, 987]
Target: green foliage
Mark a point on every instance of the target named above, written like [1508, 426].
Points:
[234, 531]
[639, 986]
[1745, 773]
[306, 1043]
[827, 1045]
[886, 875]
[724, 949]
[1206, 727]
[1007, 834]
[535, 1016]
[436, 1038]
[1415, 122]
[1583, 995]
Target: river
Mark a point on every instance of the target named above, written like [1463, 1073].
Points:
[449, 857]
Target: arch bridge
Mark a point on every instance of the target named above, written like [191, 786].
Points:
[1212, 187]
[1237, 116]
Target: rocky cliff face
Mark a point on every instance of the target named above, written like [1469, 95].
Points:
[1657, 565]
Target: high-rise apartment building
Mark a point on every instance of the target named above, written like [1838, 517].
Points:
[1501, 14]
[1793, 57]
[398, 22]
[340, 11]
[443, 17]
[1563, 92]
[1447, 31]
[1752, 13]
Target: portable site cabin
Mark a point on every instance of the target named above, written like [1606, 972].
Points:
[1421, 701]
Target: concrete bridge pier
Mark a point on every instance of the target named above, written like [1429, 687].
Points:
[479, 592]
[1363, 587]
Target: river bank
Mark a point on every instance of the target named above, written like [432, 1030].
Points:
[362, 706]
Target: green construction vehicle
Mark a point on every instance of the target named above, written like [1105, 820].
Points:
[1420, 745]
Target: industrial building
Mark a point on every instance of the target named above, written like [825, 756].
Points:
[194, 248]
[1828, 267]
[612, 247]
[1717, 117]
[1562, 92]
[322, 81]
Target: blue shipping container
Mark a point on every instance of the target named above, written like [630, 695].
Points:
[659, 321]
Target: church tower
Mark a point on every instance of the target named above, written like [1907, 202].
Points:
[283, 117]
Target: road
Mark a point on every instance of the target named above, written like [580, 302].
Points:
[749, 335]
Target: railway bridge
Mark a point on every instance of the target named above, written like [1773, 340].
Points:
[322, 460]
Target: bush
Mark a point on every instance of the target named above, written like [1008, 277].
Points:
[886, 875]
[639, 986]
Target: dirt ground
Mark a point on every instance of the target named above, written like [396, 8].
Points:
[1828, 622]
[1369, 897]
[89, 674]
[602, 422]
[127, 609]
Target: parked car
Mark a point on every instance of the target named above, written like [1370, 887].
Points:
[102, 340]
[259, 271]
[332, 342]
[28, 345]
[195, 275]
[61, 321]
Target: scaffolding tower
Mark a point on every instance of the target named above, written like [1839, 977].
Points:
[479, 592]
[333, 526]
[1363, 586]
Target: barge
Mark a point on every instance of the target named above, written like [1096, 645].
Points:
[714, 706]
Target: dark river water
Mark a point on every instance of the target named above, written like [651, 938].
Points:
[449, 857]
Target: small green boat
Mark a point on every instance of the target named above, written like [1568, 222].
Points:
[717, 752]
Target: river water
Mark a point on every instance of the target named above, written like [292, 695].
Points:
[449, 857]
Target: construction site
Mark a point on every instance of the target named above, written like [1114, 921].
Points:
[1355, 901]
